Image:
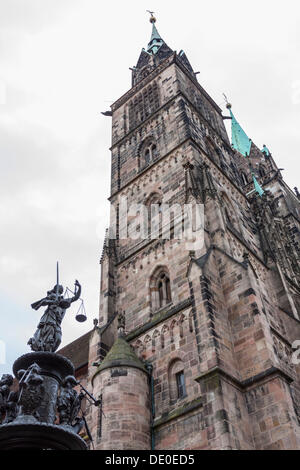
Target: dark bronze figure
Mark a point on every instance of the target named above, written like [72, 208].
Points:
[48, 334]
[69, 404]
[5, 384]
[11, 407]
[31, 390]
[29, 411]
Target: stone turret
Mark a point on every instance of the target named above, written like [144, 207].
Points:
[122, 382]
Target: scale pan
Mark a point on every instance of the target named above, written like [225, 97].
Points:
[80, 317]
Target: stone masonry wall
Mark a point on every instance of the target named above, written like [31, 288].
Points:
[125, 423]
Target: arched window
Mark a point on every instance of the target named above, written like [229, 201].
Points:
[261, 171]
[177, 386]
[160, 289]
[150, 152]
[147, 153]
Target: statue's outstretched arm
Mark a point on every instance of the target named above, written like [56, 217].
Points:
[77, 291]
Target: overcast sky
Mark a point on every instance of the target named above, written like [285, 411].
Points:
[62, 62]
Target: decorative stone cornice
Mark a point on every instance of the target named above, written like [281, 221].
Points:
[159, 317]
[180, 411]
[244, 385]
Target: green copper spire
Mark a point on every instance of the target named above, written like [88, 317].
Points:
[155, 41]
[239, 138]
[257, 186]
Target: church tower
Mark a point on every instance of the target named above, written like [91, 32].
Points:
[205, 356]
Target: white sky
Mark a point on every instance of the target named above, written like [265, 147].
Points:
[64, 61]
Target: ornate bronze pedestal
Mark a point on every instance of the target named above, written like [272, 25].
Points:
[42, 413]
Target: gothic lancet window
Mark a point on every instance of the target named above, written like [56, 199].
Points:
[160, 289]
[147, 153]
[261, 171]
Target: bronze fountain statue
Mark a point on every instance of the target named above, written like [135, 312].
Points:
[40, 409]
[48, 334]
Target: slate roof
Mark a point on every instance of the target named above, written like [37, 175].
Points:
[77, 351]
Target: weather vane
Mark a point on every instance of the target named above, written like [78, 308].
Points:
[48, 334]
[152, 18]
[228, 105]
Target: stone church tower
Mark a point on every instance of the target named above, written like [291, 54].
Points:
[194, 346]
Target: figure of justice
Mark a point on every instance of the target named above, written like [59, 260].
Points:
[48, 334]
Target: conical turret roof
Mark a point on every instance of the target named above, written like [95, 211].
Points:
[121, 354]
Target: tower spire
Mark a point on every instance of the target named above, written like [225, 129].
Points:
[155, 41]
[239, 139]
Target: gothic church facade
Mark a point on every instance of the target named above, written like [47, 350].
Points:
[194, 347]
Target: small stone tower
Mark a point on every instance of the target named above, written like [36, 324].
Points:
[122, 382]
